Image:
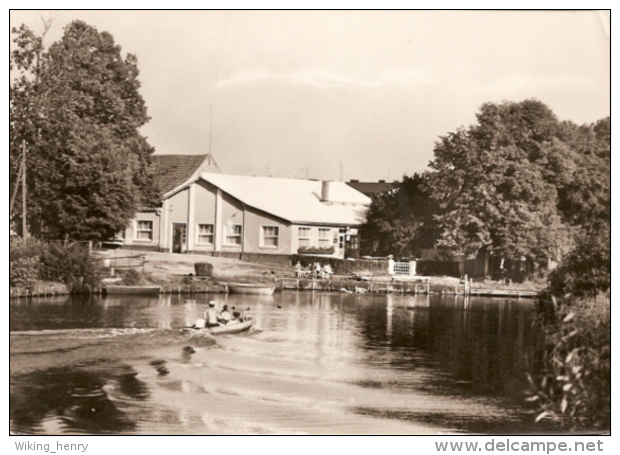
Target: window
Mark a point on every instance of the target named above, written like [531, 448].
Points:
[325, 238]
[269, 236]
[144, 230]
[205, 234]
[304, 236]
[233, 234]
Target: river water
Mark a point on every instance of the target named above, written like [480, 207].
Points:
[313, 363]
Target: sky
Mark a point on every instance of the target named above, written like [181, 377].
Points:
[343, 95]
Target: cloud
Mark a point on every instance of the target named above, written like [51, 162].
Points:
[575, 83]
[315, 77]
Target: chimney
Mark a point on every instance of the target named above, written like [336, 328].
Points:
[325, 184]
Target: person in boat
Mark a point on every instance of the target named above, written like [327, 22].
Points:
[224, 316]
[245, 314]
[210, 315]
[236, 318]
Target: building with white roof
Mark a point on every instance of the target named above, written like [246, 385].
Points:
[242, 216]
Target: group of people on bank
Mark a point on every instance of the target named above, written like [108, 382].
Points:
[313, 270]
[214, 317]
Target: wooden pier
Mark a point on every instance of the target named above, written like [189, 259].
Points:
[503, 293]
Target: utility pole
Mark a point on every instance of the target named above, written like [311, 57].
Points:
[24, 211]
[341, 171]
[15, 189]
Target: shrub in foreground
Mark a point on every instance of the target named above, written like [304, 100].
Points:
[586, 270]
[572, 383]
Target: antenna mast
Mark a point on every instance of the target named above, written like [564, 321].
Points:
[210, 131]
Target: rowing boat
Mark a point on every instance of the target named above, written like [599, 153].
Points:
[229, 328]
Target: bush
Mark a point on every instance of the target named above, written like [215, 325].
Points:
[31, 247]
[25, 261]
[572, 383]
[132, 277]
[586, 270]
[23, 272]
[316, 250]
[73, 265]
[203, 269]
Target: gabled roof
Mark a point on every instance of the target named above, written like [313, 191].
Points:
[293, 200]
[174, 170]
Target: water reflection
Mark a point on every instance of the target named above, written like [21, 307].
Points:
[482, 343]
[450, 362]
[73, 401]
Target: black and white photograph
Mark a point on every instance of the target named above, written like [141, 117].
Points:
[310, 223]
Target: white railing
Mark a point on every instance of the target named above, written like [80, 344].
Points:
[402, 268]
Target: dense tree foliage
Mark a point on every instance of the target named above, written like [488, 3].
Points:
[78, 108]
[400, 222]
[518, 183]
[490, 186]
[586, 269]
[582, 172]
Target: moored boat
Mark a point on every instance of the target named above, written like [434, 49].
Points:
[247, 288]
[150, 290]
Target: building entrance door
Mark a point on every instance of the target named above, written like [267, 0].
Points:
[341, 242]
[179, 238]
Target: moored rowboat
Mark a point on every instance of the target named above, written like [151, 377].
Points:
[132, 290]
[246, 288]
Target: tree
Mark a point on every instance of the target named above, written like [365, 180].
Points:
[78, 107]
[399, 222]
[491, 186]
[584, 182]
[516, 184]
[586, 269]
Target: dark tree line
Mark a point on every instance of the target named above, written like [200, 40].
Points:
[77, 107]
[518, 183]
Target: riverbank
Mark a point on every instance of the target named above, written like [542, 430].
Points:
[39, 289]
[175, 273]
[172, 272]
